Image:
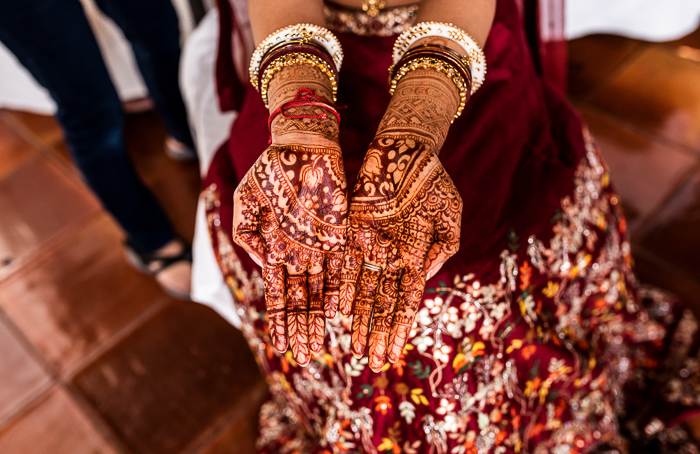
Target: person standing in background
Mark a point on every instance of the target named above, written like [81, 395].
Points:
[54, 41]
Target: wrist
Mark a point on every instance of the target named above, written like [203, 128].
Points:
[301, 108]
[423, 106]
[306, 140]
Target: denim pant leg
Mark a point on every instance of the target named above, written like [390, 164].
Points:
[54, 41]
[151, 26]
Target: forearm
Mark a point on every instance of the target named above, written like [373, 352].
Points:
[473, 16]
[268, 16]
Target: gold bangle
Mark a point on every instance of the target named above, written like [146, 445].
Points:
[464, 60]
[299, 45]
[439, 66]
[296, 58]
[458, 61]
[449, 31]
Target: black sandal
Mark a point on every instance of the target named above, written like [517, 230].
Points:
[152, 264]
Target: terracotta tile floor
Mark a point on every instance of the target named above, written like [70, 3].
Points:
[94, 358]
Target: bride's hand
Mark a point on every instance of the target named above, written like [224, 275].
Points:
[404, 219]
[290, 214]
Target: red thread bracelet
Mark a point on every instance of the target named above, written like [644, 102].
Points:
[304, 97]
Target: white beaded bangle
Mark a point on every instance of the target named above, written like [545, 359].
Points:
[449, 31]
[302, 32]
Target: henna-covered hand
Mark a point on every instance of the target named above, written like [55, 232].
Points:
[404, 219]
[290, 215]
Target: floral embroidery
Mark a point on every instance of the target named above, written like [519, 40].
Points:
[538, 361]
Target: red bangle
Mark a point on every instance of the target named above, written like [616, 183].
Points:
[304, 97]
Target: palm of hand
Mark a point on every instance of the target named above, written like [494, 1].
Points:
[290, 213]
[404, 219]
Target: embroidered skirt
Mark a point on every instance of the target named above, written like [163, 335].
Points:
[535, 337]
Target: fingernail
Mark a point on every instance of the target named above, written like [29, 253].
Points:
[394, 352]
[376, 364]
[303, 360]
[256, 260]
[358, 355]
[430, 274]
[316, 348]
[280, 345]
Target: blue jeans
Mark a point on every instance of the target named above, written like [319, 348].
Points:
[53, 40]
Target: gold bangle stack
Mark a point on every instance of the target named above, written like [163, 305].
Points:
[300, 32]
[477, 60]
[297, 58]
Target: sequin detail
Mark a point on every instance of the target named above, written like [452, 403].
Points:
[387, 22]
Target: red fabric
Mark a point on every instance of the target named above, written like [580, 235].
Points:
[229, 87]
[553, 48]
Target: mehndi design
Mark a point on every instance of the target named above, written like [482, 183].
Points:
[404, 217]
[290, 215]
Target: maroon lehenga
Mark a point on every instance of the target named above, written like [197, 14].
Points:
[535, 337]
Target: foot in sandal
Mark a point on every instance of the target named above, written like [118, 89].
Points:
[178, 151]
[171, 266]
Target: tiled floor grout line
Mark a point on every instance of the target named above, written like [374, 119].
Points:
[45, 249]
[116, 338]
[645, 224]
[28, 406]
[99, 423]
[218, 428]
[632, 128]
[35, 258]
[45, 150]
[35, 354]
[63, 379]
[27, 344]
[79, 398]
[21, 407]
[42, 253]
[59, 238]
